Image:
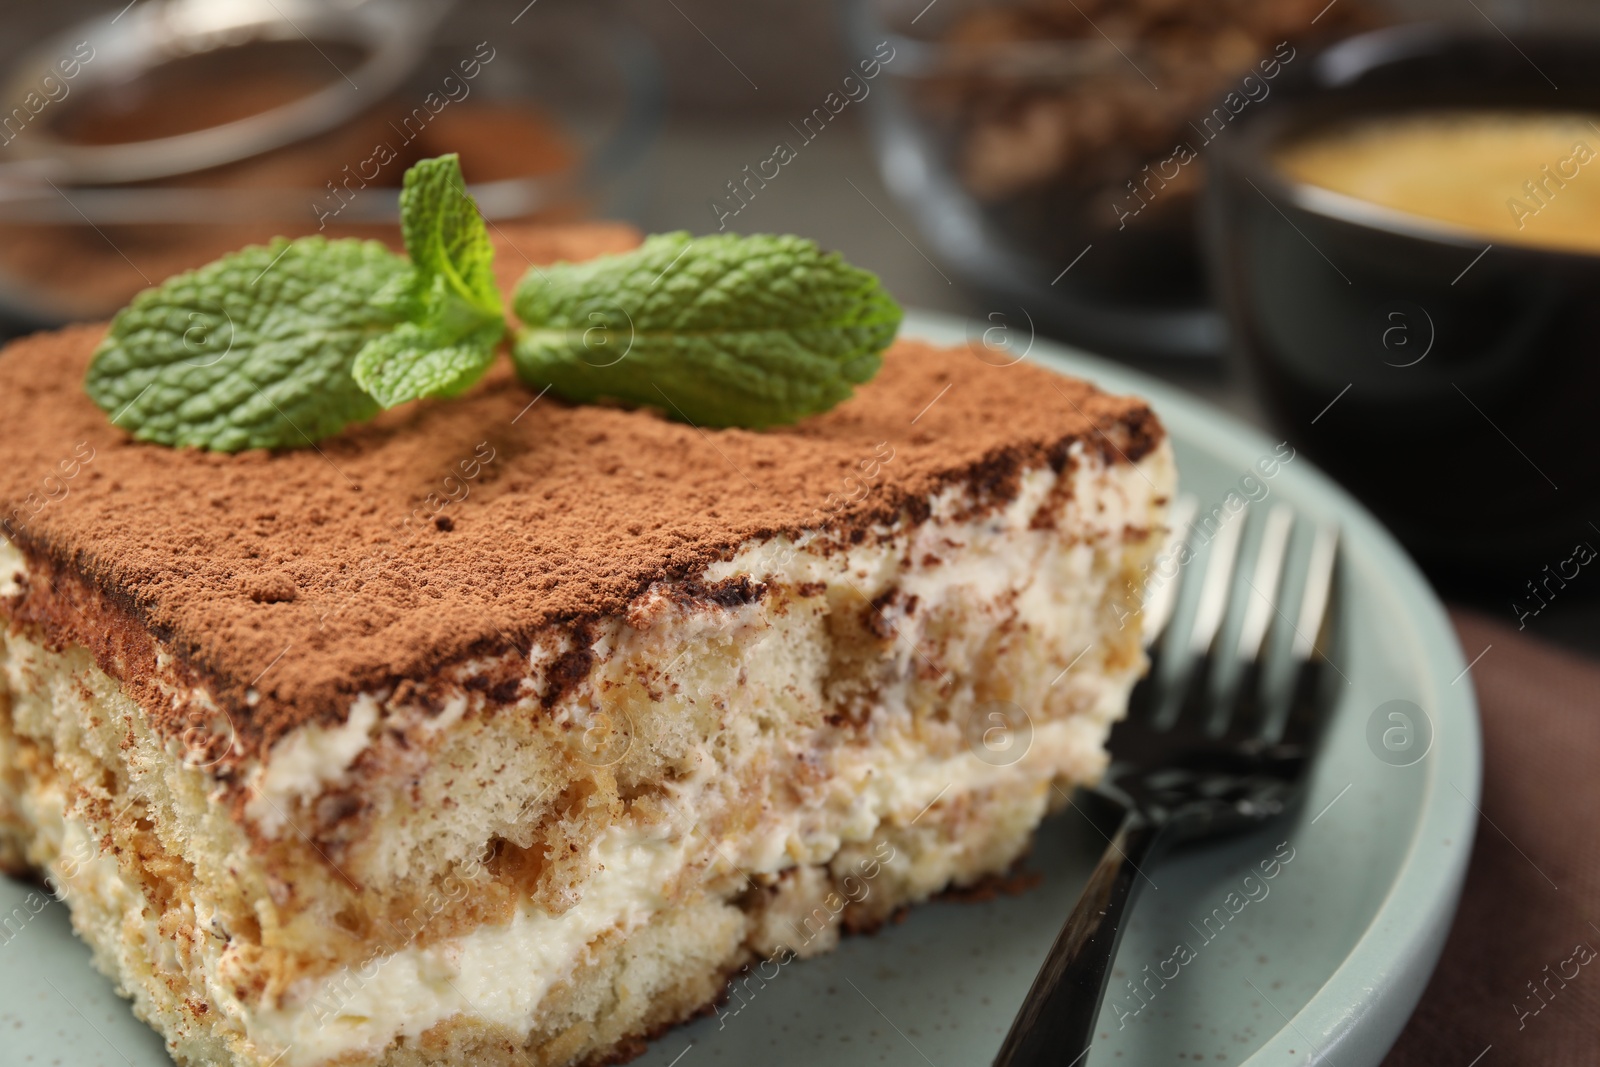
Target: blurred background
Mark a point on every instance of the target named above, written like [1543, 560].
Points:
[1069, 168]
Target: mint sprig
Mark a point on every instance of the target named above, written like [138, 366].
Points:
[720, 330]
[451, 303]
[279, 346]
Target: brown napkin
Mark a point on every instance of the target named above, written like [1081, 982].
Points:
[1530, 912]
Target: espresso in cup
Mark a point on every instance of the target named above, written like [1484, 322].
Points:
[1506, 176]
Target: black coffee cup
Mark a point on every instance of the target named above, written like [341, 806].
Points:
[1448, 380]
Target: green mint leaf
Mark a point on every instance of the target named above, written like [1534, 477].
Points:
[720, 330]
[444, 233]
[450, 296]
[251, 351]
[418, 360]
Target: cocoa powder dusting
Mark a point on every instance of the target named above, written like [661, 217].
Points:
[317, 575]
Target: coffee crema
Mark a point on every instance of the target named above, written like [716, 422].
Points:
[1517, 177]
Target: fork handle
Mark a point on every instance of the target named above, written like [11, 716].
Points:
[1056, 1023]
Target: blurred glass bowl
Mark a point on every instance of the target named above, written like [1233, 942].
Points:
[1041, 157]
[548, 124]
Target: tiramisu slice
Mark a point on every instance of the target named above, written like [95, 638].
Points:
[505, 731]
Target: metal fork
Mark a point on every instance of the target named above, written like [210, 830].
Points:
[1190, 762]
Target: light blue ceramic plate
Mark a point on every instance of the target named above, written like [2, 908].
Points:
[1324, 967]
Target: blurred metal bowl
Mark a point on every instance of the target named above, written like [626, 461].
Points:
[73, 252]
[389, 37]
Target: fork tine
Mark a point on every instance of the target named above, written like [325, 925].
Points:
[1158, 606]
[1217, 586]
[1216, 589]
[1265, 582]
[1149, 693]
[1313, 632]
[1245, 710]
[1316, 606]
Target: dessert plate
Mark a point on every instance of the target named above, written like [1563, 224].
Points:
[1319, 962]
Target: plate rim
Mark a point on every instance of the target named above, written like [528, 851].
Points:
[1361, 1007]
